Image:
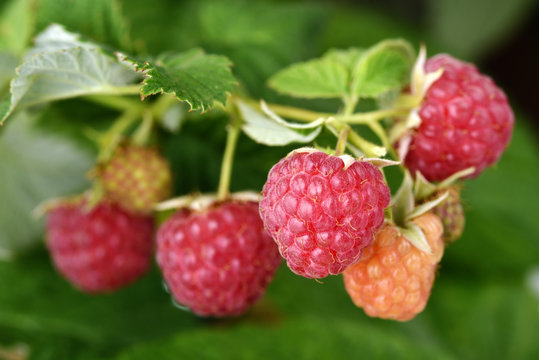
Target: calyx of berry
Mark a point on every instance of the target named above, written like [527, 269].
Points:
[424, 188]
[420, 83]
[199, 202]
[405, 209]
[347, 159]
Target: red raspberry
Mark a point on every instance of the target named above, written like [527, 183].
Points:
[466, 121]
[137, 178]
[393, 279]
[218, 261]
[322, 213]
[101, 249]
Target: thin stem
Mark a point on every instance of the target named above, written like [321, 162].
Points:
[120, 103]
[341, 141]
[371, 116]
[290, 111]
[228, 159]
[162, 104]
[370, 149]
[350, 103]
[113, 136]
[144, 130]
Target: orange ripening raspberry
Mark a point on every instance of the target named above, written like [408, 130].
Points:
[393, 278]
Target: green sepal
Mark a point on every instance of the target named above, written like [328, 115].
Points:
[415, 235]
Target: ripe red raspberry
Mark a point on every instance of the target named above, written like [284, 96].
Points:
[217, 261]
[137, 177]
[321, 212]
[393, 279]
[466, 121]
[451, 213]
[101, 249]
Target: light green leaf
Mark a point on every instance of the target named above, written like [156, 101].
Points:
[193, 76]
[382, 68]
[318, 78]
[348, 57]
[62, 68]
[34, 166]
[17, 25]
[267, 131]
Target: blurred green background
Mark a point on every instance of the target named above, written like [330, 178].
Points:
[485, 302]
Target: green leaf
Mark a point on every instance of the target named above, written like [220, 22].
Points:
[100, 20]
[62, 67]
[17, 25]
[267, 131]
[193, 76]
[143, 311]
[486, 320]
[319, 78]
[382, 68]
[347, 57]
[305, 338]
[34, 166]
[261, 39]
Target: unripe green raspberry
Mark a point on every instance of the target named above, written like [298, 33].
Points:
[137, 177]
[451, 213]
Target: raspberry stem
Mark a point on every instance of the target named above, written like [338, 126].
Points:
[113, 136]
[341, 142]
[120, 103]
[144, 130]
[223, 190]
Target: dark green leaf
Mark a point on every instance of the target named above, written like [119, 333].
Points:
[192, 76]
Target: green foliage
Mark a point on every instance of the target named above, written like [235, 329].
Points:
[63, 67]
[100, 20]
[17, 25]
[319, 78]
[349, 73]
[382, 68]
[36, 166]
[192, 76]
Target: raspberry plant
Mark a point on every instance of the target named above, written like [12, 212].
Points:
[348, 163]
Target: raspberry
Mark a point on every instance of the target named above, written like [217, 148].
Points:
[393, 279]
[217, 261]
[101, 249]
[137, 178]
[466, 121]
[322, 213]
[452, 215]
